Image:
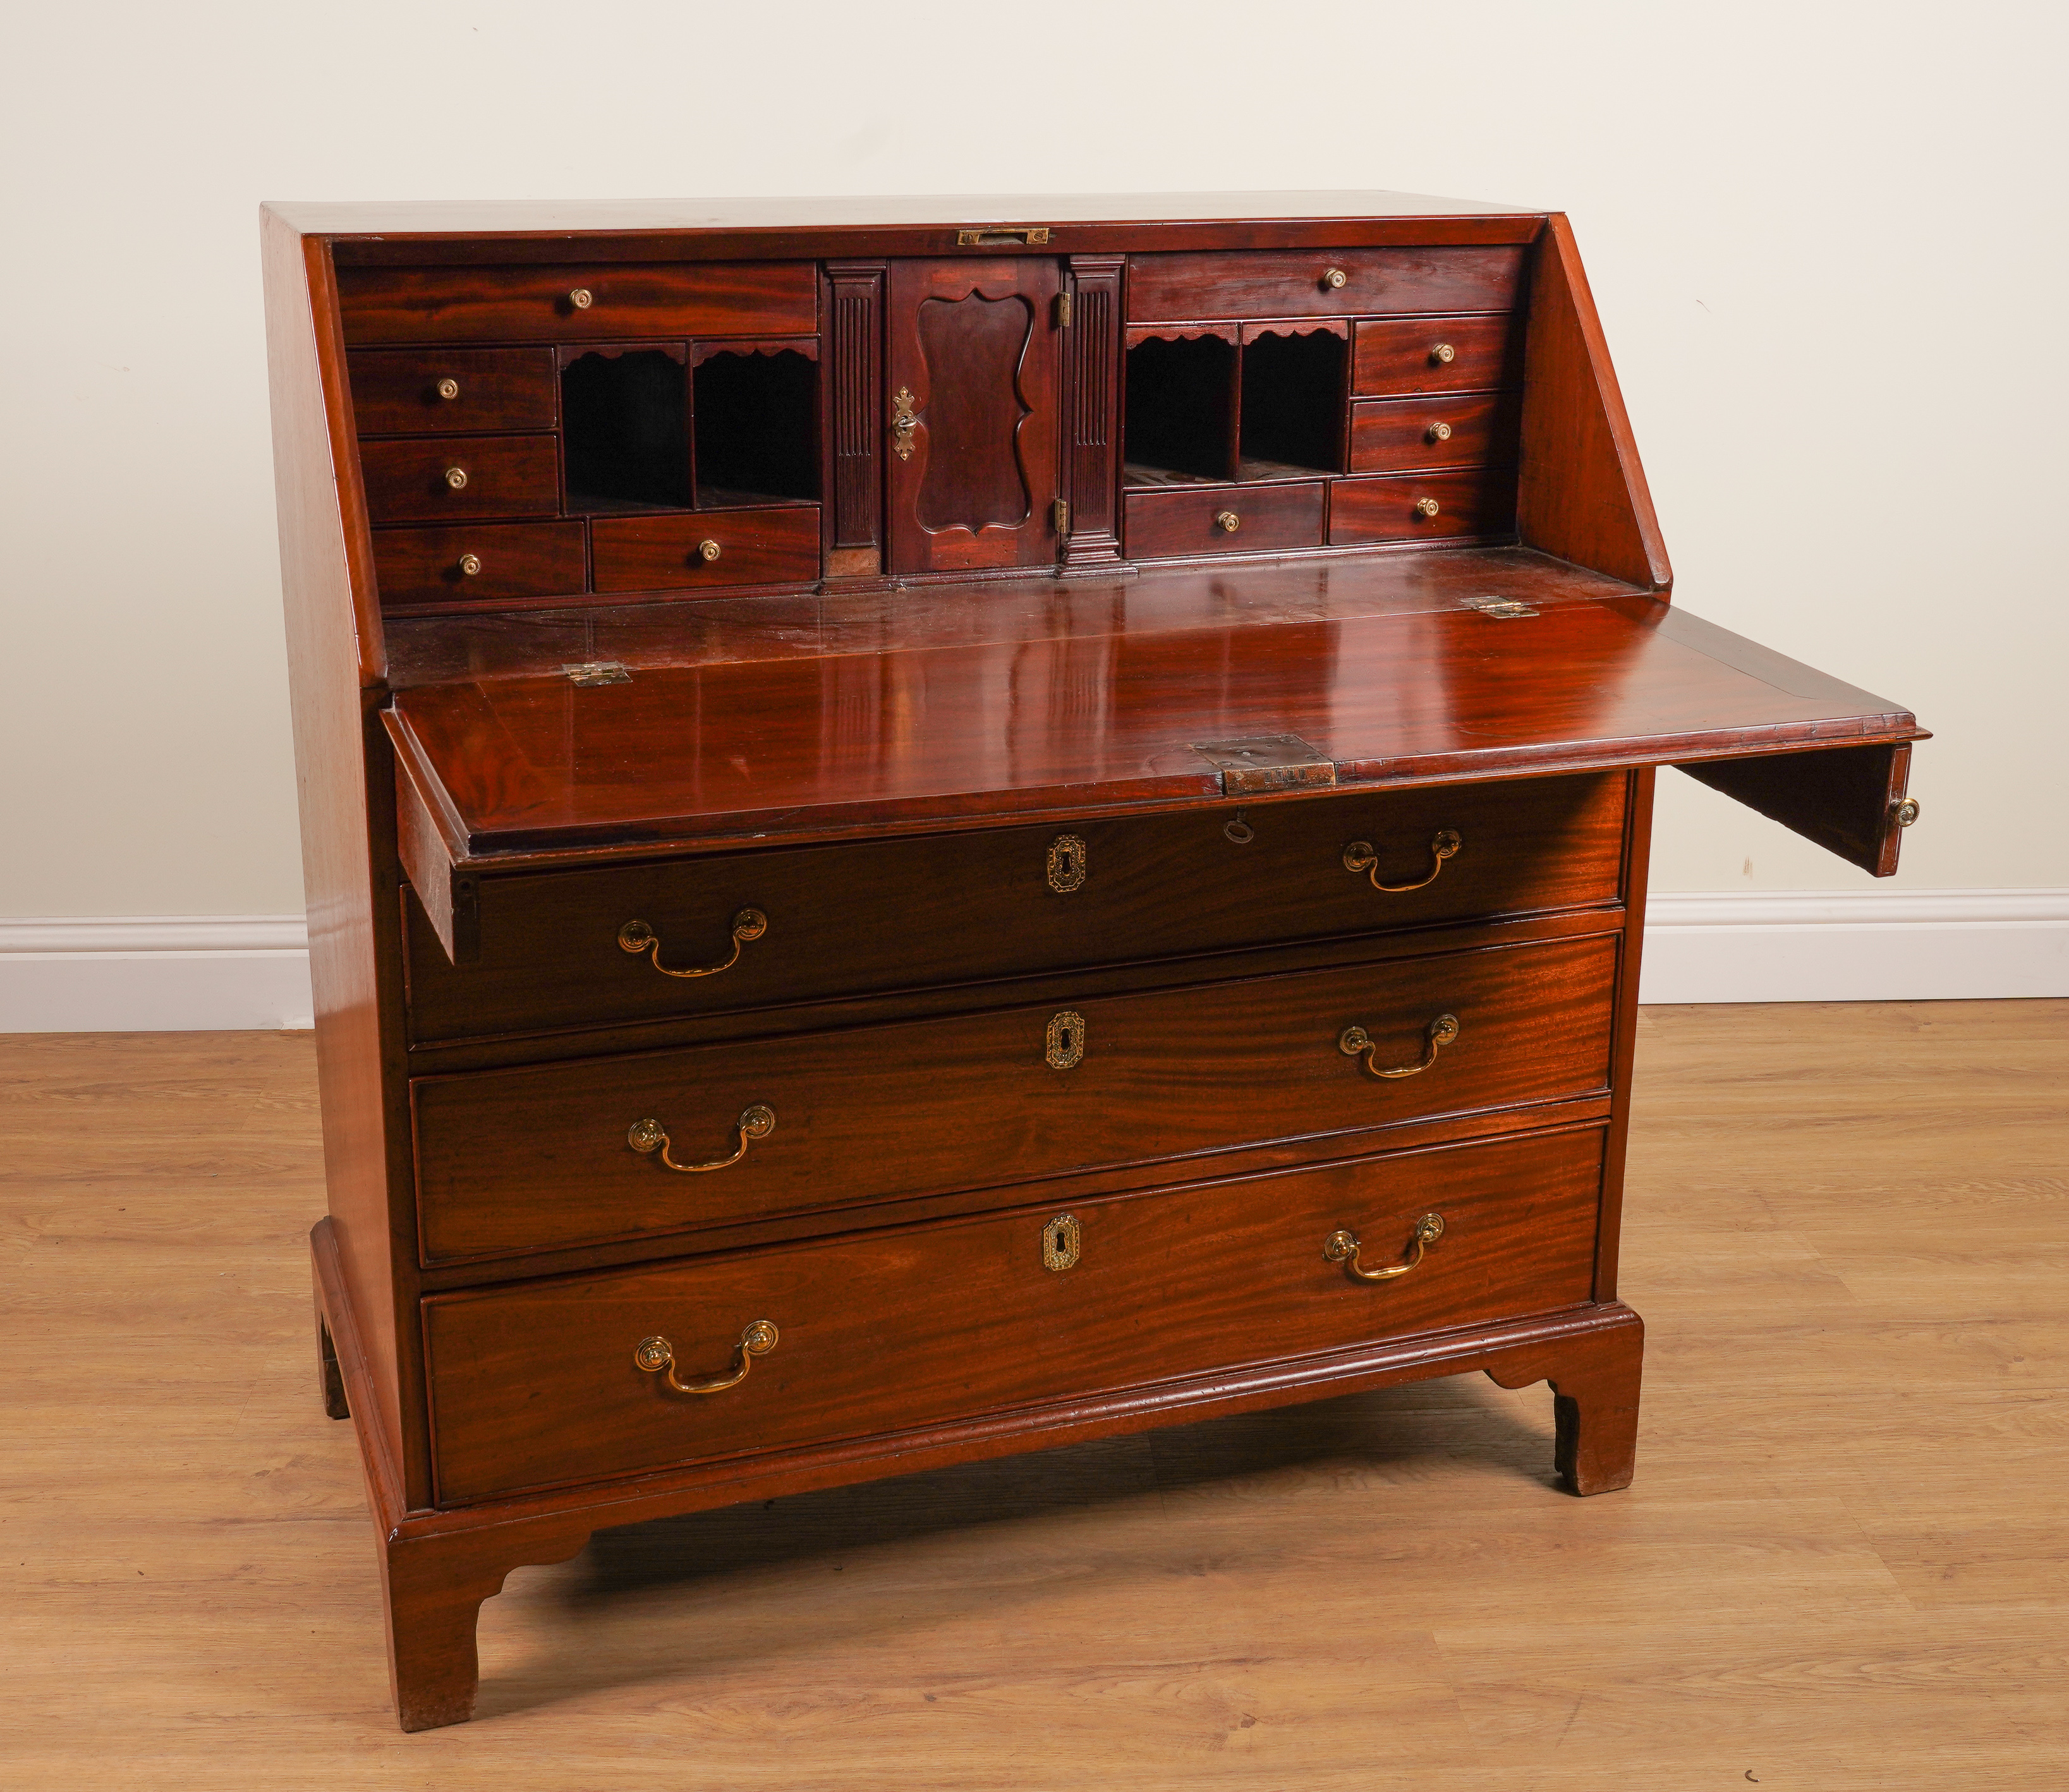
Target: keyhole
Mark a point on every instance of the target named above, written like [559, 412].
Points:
[1070, 1039]
[1056, 1241]
[1069, 863]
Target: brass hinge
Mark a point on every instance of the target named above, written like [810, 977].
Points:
[598, 671]
[1500, 607]
[1062, 310]
[1266, 762]
[1063, 516]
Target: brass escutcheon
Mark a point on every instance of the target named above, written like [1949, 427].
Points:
[648, 1136]
[1068, 862]
[448, 388]
[1359, 857]
[653, 1354]
[1066, 1039]
[1356, 1041]
[903, 423]
[1341, 1247]
[1060, 1242]
[636, 937]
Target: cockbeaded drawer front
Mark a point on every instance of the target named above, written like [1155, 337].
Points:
[586, 1378]
[648, 940]
[605, 1148]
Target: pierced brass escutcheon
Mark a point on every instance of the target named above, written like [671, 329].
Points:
[1359, 857]
[1904, 811]
[655, 1354]
[903, 423]
[1355, 1043]
[648, 1136]
[448, 388]
[1068, 862]
[1060, 1238]
[1066, 1043]
[636, 937]
[1341, 1247]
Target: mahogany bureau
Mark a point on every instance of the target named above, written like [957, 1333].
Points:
[933, 828]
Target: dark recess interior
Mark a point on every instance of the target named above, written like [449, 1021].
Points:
[1293, 403]
[754, 414]
[1178, 405]
[625, 428]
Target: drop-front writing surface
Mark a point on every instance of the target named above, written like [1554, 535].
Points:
[816, 719]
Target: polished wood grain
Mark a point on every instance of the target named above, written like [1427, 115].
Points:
[411, 479]
[1471, 503]
[1396, 357]
[1165, 524]
[537, 1385]
[1876, 1509]
[1394, 435]
[535, 304]
[517, 1160]
[1444, 694]
[398, 391]
[1162, 287]
[768, 543]
[425, 566]
[843, 920]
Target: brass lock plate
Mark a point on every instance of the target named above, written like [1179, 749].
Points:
[1066, 1040]
[1060, 1238]
[1068, 862]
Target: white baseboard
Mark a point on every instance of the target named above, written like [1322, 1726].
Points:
[235, 972]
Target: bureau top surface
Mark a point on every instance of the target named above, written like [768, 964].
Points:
[1102, 695]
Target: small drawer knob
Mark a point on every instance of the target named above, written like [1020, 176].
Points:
[448, 387]
[582, 298]
[1442, 355]
[1336, 279]
[1438, 432]
[1227, 522]
[1426, 507]
[470, 564]
[709, 549]
[456, 478]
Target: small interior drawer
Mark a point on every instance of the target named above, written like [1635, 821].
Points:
[469, 562]
[1180, 286]
[1400, 356]
[1392, 435]
[578, 302]
[538, 1385]
[1221, 519]
[771, 544]
[1423, 506]
[450, 391]
[446, 478]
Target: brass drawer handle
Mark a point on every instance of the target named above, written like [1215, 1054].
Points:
[456, 478]
[636, 937]
[708, 550]
[1227, 522]
[1358, 856]
[448, 388]
[469, 565]
[1442, 355]
[1342, 1247]
[1438, 432]
[1427, 506]
[1336, 279]
[1357, 1042]
[581, 299]
[649, 1136]
[655, 1354]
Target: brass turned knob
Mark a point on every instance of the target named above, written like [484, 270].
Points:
[449, 387]
[1442, 355]
[470, 564]
[1426, 507]
[708, 550]
[456, 478]
[582, 298]
[1438, 432]
[1336, 279]
[1227, 522]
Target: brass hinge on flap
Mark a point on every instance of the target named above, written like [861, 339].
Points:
[1062, 516]
[1266, 762]
[598, 671]
[1062, 310]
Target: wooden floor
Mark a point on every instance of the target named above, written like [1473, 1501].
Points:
[1842, 1566]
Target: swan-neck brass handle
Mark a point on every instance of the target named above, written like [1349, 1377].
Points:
[636, 937]
[656, 1354]
[648, 1136]
[1357, 1042]
[1342, 1247]
[1359, 857]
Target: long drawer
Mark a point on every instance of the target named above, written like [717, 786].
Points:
[543, 1384]
[828, 921]
[603, 1149]
[1323, 283]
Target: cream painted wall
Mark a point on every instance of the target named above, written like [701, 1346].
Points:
[1827, 243]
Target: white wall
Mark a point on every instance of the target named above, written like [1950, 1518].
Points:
[1826, 241]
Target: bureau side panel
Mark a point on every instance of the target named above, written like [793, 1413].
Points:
[334, 659]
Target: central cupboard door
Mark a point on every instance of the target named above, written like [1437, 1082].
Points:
[971, 429]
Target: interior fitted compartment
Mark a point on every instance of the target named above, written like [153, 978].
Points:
[753, 411]
[625, 427]
[1293, 399]
[1179, 417]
